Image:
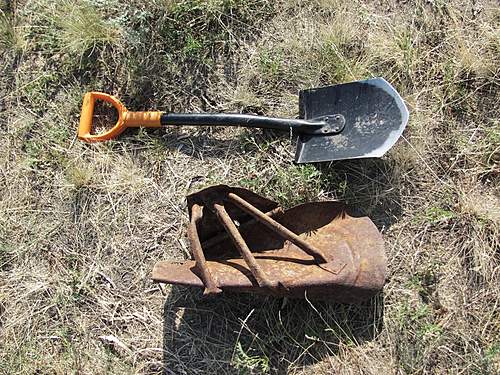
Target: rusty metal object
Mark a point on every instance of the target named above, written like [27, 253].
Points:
[244, 252]
[241, 245]
[223, 236]
[277, 227]
[201, 263]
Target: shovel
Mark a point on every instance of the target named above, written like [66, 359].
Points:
[242, 242]
[353, 120]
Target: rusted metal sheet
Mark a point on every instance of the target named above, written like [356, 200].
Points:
[256, 257]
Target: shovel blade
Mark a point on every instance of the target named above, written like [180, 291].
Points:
[375, 117]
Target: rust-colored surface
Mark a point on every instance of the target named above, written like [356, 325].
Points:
[353, 247]
[255, 269]
[277, 227]
[199, 257]
[212, 241]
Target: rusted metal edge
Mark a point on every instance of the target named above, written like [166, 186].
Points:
[356, 272]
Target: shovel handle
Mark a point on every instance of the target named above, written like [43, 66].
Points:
[324, 125]
[126, 118]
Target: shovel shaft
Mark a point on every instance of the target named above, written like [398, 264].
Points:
[235, 119]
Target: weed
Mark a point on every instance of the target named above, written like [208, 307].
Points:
[10, 35]
[438, 214]
[270, 63]
[249, 364]
[290, 185]
[424, 283]
[6, 258]
[430, 330]
[492, 357]
[410, 315]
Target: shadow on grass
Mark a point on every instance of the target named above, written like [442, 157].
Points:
[246, 334]
[371, 187]
[204, 143]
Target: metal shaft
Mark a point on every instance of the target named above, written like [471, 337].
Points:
[199, 257]
[242, 247]
[277, 227]
[248, 121]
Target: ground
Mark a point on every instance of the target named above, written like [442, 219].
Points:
[81, 225]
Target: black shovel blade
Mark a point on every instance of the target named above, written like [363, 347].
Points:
[375, 117]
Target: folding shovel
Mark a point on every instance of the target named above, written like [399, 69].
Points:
[243, 242]
[347, 121]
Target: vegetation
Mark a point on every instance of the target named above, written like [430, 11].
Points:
[82, 225]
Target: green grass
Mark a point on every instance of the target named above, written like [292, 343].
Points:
[248, 363]
[81, 225]
[437, 214]
[7, 33]
[82, 28]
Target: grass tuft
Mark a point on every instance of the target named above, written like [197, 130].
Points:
[248, 363]
[83, 28]
[11, 37]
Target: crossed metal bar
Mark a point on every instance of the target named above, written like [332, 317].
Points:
[262, 279]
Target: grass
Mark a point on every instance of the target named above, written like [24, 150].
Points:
[82, 225]
[81, 28]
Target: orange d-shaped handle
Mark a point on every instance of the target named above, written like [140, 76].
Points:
[125, 118]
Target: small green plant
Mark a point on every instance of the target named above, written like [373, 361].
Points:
[36, 90]
[34, 152]
[270, 63]
[192, 46]
[429, 330]
[492, 356]
[38, 154]
[422, 279]
[406, 41]
[408, 314]
[493, 133]
[248, 363]
[437, 214]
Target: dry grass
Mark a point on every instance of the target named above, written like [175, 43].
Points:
[82, 225]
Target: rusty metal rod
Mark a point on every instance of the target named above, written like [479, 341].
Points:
[277, 227]
[223, 236]
[201, 263]
[242, 247]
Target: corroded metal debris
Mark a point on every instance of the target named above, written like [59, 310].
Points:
[243, 242]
